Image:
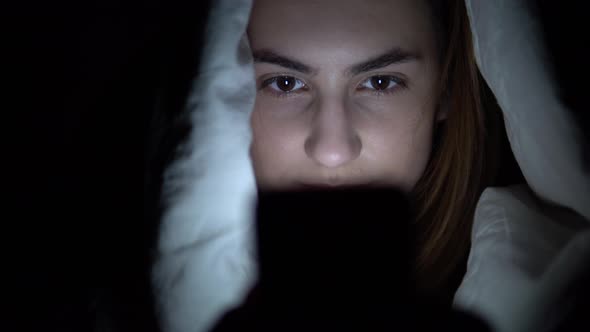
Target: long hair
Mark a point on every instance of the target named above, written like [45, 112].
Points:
[463, 156]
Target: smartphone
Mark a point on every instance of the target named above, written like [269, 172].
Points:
[334, 258]
[339, 260]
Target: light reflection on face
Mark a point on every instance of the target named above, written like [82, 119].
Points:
[346, 92]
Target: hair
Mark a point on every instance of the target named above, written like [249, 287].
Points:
[462, 159]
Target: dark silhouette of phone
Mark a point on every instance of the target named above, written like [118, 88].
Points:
[333, 260]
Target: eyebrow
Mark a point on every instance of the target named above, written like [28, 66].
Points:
[395, 55]
[268, 56]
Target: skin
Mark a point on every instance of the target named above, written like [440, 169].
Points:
[334, 127]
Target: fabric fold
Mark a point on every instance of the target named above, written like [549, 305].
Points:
[205, 261]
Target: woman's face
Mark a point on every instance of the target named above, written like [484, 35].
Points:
[346, 92]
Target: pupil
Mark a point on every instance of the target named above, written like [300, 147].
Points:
[379, 83]
[286, 83]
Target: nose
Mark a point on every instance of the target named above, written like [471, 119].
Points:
[333, 140]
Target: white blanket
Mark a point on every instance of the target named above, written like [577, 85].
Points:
[527, 249]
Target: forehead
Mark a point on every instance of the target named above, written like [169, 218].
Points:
[306, 28]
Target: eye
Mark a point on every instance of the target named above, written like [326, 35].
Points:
[284, 84]
[382, 83]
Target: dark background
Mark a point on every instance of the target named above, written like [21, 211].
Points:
[94, 89]
[91, 117]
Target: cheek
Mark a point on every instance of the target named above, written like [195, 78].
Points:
[274, 147]
[401, 148]
[420, 149]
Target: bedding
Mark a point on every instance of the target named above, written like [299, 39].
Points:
[529, 242]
